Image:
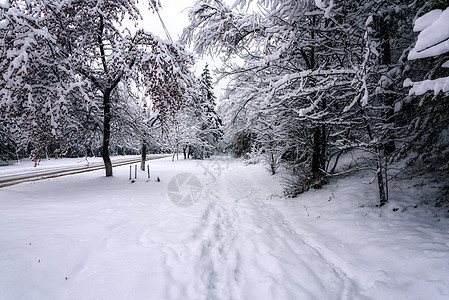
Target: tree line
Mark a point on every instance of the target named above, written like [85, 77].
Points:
[309, 82]
[76, 81]
[312, 80]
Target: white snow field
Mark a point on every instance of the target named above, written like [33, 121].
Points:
[221, 231]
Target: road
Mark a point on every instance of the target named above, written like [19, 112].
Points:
[7, 180]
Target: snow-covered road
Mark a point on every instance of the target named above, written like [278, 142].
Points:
[89, 237]
[11, 175]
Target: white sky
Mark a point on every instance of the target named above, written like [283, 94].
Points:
[175, 15]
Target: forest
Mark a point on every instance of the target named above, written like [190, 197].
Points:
[309, 81]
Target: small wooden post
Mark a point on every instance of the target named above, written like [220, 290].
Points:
[130, 168]
[135, 173]
[148, 170]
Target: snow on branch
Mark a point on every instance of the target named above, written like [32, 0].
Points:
[312, 73]
[421, 87]
[433, 40]
[216, 28]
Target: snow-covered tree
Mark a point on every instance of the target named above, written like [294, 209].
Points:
[8, 148]
[313, 79]
[298, 64]
[60, 53]
[196, 129]
[433, 41]
[209, 132]
[428, 81]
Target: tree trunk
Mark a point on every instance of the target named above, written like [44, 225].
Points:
[318, 140]
[316, 155]
[107, 133]
[380, 181]
[387, 100]
[388, 145]
[144, 156]
[273, 164]
[323, 139]
[189, 152]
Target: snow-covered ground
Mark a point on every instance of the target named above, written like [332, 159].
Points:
[216, 229]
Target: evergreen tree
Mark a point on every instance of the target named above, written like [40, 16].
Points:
[210, 122]
[427, 106]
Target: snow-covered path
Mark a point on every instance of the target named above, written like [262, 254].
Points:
[247, 249]
[89, 237]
